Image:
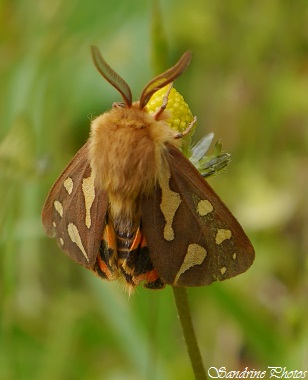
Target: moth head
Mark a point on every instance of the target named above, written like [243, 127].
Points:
[154, 85]
[127, 143]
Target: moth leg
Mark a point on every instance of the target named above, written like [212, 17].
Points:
[187, 130]
[164, 103]
[155, 285]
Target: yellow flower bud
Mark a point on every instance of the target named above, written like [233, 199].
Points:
[180, 114]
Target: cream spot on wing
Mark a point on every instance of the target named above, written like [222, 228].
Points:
[170, 202]
[223, 270]
[69, 185]
[222, 235]
[204, 207]
[54, 224]
[73, 233]
[195, 256]
[59, 208]
[61, 241]
[89, 196]
[234, 256]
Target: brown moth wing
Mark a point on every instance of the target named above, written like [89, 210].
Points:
[193, 238]
[74, 211]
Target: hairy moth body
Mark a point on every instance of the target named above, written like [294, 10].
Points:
[126, 150]
[130, 205]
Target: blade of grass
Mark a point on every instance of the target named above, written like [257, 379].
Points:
[181, 300]
[159, 40]
[114, 306]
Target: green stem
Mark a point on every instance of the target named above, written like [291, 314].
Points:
[181, 300]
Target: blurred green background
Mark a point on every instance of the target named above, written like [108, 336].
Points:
[248, 83]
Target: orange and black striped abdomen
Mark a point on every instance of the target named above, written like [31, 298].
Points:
[125, 254]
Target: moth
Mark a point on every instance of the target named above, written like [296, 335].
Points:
[131, 206]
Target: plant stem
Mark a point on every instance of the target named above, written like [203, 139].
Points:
[181, 301]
